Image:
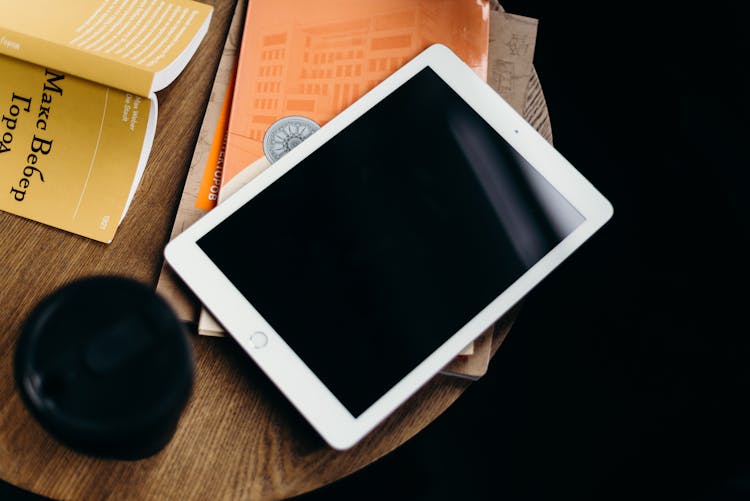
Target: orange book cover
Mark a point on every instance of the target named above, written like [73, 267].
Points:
[313, 59]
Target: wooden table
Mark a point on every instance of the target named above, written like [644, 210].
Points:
[238, 437]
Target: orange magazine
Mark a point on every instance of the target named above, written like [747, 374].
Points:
[314, 58]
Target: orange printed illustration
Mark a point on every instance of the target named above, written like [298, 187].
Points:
[313, 59]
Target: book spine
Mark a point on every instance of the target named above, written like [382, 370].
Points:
[75, 62]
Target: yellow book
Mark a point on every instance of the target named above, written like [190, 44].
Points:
[78, 106]
[139, 46]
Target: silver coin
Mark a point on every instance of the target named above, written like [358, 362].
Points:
[285, 134]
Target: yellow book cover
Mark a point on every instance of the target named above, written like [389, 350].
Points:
[78, 104]
[139, 46]
[71, 151]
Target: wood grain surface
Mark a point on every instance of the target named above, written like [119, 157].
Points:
[238, 437]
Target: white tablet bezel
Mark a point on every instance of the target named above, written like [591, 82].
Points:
[290, 374]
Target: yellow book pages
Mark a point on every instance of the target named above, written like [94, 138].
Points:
[136, 45]
[71, 151]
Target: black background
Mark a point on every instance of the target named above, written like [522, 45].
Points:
[626, 375]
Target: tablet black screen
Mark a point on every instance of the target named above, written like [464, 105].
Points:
[383, 242]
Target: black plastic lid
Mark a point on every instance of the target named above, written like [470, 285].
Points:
[106, 367]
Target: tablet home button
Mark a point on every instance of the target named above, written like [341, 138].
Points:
[258, 339]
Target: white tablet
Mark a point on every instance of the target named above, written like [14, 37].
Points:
[359, 264]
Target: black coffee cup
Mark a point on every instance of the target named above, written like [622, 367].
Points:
[106, 367]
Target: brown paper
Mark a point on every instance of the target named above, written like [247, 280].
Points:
[511, 53]
[184, 304]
